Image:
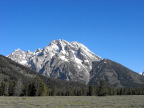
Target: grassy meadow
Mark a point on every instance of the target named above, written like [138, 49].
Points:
[132, 101]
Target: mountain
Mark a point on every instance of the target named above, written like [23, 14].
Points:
[142, 73]
[70, 61]
[18, 80]
[115, 75]
[13, 71]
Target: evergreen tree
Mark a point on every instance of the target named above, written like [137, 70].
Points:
[4, 88]
[103, 90]
[18, 88]
[37, 88]
[79, 92]
[91, 90]
[11, 87]
[54, 91]
[84, 91]
[26, 91]
[43, 89]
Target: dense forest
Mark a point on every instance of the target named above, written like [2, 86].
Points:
[38, 88]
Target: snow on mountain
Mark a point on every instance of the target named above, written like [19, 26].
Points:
[60, 59]
[21, 56]
[142, 73]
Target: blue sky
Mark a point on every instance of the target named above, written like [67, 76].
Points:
[112, 29]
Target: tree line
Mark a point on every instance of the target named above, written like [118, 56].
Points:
[38, 88]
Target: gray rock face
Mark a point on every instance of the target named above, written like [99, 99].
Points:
[21, 56]
[70, 61]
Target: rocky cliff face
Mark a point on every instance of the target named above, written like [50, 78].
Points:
[70, 61]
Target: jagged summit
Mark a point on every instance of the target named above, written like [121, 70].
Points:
[18, 49]
[58, 41]
[62, 44]
[60, 59]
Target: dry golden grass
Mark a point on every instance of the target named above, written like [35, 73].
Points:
[73, 102]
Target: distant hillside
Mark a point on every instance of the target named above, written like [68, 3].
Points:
[115, 75]
[14, 71]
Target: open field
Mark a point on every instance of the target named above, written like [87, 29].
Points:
[73, 102]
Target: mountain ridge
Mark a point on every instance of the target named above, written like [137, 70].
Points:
[57, 59]
[72, 61]
[115, 75]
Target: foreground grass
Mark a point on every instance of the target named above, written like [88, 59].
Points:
[134, 101]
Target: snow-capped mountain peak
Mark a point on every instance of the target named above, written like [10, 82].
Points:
[142, 73]
[18, 56]
[18, 50]
[60, 59]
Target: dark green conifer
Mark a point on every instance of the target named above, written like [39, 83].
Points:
[103, 90]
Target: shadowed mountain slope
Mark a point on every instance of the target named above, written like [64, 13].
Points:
[115, 75]
[14, 71]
